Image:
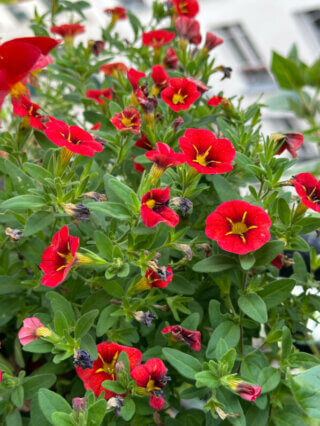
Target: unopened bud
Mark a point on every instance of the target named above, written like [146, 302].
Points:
[78, 211]
[82, 359]
[95, 196]
[182, 203]
[14, 234]
[120, 367]
[145, 318]
[177, 123]
[186, 249]
[79, 405]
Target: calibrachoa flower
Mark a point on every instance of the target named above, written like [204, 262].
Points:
[246, 391]
[58, 258]
[171, 59]
[32, 329]
[217, 100]
[180, 94]
[157, 38]
[238, 227]
[154, 208]
[134, 77]
[308, 188]
[104, 367]
[143, 143]
[23, 107]
[188, 8]
[99, 96]
[211, 42]
[68, 31]
[277, 261]
[117, 13]
[128, 119]
[160, 77]
[288, 141]
[151, 378]
[163, 157]
[206, 153]
[159, 279]
[188, 29]
[138, 167]
[114, 69]
[180, 334]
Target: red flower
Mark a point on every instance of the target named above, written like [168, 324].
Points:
[58, 258]
[134, 76]
[143, 143]
[308, 188]
[151, 378]
[205, 153]
[180, 334]
[114, 68]
[248, 392]
[104, 367]
[99, 96]
[238, 227]
[160, 279]
[68, 30]
[160, 77]
[212, 41]
[128, 119]
[117, 12]
[154, 208]
[96, 126]
[23, 107]
[163, 157]
[28, 333]
[171, 60]
[277, 261]
[138, 167]
[188, 29]
[186, 7]
[202, 88]
[290, 141]
[157, 38]
[73, 138]
[180, 94]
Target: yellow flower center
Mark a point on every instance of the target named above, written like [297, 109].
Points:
[108, 367]
[150, 386]
[127, 122]
[68, 257]
[240, 228]
[183, 6]
[178, 98]
[150, 203]
[202, 158]
[18, 90]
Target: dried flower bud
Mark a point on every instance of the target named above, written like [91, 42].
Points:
[187, 250]
[116, 402]
[97, 47]
[145, 318]
[78, 211]
[95, 196]
[183, 203]
[177, 123]
[120, 367]
[14, 234]
[82, 359]
[79, 405]
[207, 249]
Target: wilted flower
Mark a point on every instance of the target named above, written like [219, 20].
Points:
[145, 318]
[127, 120]
[308, 188]
[202, 88]
[171, 59]
[116, 402]
[99, 96]
[188, 29]
[290, 141]
[14, 234]
[155, 278]
[184, 204]
[180, 334]
[79, 405]
[180, 94]
[78, 211]
[178, 122]
[157, 38]
[82, 359]
[154, 208]
[211, 42]
[96, 196]
[32, 329]
[96, 47]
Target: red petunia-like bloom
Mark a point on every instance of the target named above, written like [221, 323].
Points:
[308, 188]
[248, 392]
[180, 334]
[188, 29]
[180, 94]
[23, 107]
[68, 30]
[99, 96]
[151, 378]
[154, 208]
[290, 141]
[157, 38]
[160, 77]
[58, 258]
[238, 227]
[277, 261]
[128, 119]
[117, 12]
[143, 143]
[134, 76]
[114, 69]
[72, 138]
[137, 166]
[152, 279]
[104, 367]
[212, 41]
[163, 157]
[205, 153]
[171, 59]
[217, 100]
[188, 8]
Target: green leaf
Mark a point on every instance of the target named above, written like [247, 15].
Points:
[185, 364]
[227, 330]
[32, 384]
[268, 379]
[37, 171]
[38, 346]
[23, 202]
[62, 419]
[37, 222]
[89, 345]
[17, 396]
[284, 212]
[231, 404]
[221, 349]
[224, 189]
[268, 252]
[288, 74]
[119, 211]
[300, 268]
[229, 358]
[247, 261]
[306, 390]
[106, 320]
[84, 323]
[206, 378]
[277, 291]
[128, 409]
[104, 244]
[122, 191]
[114, 108]
[50, 402]
[215, 263]
[96, 413]
[113, 386]
[253, 306]
[60, 323]
[14, 419]
[191, 322]
[286, 343]
[59, 302]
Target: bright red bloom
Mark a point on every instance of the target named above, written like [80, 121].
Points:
[290, 141]
[99, 96]
[163, 157]
[144, 143]
[212, 41]
[157, 38]
[151, 378]
[96, 126]
[134, 76]
[188, 29]
[171, 60]
[180, 334]
[23, 107]
[202, 88]
[248, 392]
[73, 138]
[58, 258]
[128, 119]
[68, 30]
[277, 261]
[160, 279]
[180, 94]
[117, 12]
[28, 333]
[160, 77]
[154, 208]
[114, 68]
[138, 167]
[217, 100]
[238, 227]
[188, 8]
[205, 153]
[104, 367]
[308, 188]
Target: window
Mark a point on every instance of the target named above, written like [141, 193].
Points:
[246, 57]
[311, 23]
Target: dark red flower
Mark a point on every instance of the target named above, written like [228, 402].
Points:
[114, 68]
[23, 107]
[99, 96]
[144, 143]
[58, 258]
[134, 76]
[180, 94]
[205, 153]
[128, 119]
[138, 167]
[154, 208]
[157, 38]
[73, 138]
[212, 41]
[160, 77]
[117, 12]
[238, 227]
[277, 261]
[163, 157]
[97, 47]
[202, 88]
[171, 60]
[217, 100]
[151, 378]
[308, 188]
[96, 126]
[248, 392]
[188, 8]
[180, 334]
[104, 367]
[159, 278]
[68, 30]
[290, 141]
[188, 29]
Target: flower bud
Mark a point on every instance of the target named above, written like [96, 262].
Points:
[79, 405]
[207, 249]
[245, 390]
[177, 123]
[14, 234]
[145, 318]
[82, 359]
[78, 211]
[43, 332]
[187, 250]
[95, 196]
[97, 47]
